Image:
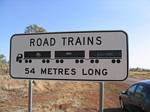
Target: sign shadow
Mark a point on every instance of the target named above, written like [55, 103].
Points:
[113, 110]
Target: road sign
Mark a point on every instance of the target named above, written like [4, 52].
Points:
[87, 55]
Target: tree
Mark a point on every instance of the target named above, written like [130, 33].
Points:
[34, 29]
[3, 64]
[2, 59]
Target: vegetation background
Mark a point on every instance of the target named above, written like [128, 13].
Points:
[60, 96]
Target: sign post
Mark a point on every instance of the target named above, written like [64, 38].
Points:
[101, 96]
[30, 96]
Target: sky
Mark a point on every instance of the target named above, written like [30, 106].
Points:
[132, 16]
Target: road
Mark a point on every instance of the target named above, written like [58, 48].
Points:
[112, 95]
[130, 81]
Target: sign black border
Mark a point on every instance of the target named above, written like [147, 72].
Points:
[70, 32]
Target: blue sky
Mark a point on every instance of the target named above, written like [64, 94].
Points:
[132, 16]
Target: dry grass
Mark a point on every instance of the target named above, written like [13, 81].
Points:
[53, 96]
[140, 75]
[59, 96]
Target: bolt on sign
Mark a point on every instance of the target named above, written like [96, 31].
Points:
[80, 55]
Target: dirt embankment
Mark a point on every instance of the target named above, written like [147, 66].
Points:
[53, 96]
[58, 96]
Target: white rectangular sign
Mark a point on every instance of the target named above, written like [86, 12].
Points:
[84, 55]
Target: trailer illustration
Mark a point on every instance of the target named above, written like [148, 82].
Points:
[115, 55]
[78, 56]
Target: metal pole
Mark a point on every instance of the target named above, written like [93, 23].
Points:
[101, 96]
[30, 96]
